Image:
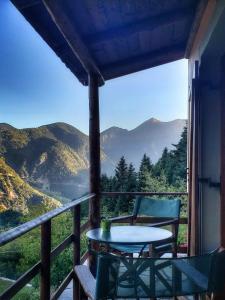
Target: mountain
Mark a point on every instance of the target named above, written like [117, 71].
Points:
[48, 157]
[17, 195]
[54, 158]
[151, 137]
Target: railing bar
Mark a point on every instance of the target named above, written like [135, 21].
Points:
[84, 257]
[63, 286]
[26, 277]
[144, 193]
[21, 282]
[76, 247]
[58, 249]
[14, 233]
[84, 227]
[45, 284]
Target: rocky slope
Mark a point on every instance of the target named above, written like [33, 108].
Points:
[17, 195]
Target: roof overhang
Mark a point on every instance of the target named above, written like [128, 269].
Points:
[114, 38]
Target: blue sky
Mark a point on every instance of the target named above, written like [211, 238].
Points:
[36, 88]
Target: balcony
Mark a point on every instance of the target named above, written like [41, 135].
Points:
[49, 253]
[194, 31]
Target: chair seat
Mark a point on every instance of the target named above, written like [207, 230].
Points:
[138, 248]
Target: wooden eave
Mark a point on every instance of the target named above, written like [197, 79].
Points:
[113, 38]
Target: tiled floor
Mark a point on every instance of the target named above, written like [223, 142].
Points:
[68, 293]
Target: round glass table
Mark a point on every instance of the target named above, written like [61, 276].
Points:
[129, 235]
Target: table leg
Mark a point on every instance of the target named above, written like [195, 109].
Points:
[151, 250]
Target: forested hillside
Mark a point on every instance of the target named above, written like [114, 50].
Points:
[167, 175]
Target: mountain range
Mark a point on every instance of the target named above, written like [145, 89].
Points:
[54, 158]
[151, 137]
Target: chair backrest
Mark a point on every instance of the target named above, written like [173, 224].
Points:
[123, 277]
[217, 273]
[167, 208]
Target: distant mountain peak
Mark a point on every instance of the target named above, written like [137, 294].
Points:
[153, 120]
[5, 126]
[114, 129]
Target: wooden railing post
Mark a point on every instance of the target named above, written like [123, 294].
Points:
[76, 248]
[94, 144]
[45, 260]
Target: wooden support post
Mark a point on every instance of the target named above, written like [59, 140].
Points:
[45, 260]
[94, 144]
[222, 168]
[222, 163]
[194, 205]
[76, 249]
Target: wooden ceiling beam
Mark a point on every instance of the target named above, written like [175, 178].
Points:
[72, 37]
[138, 63]
[147, 24]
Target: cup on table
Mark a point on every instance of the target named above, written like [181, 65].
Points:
[105, 225]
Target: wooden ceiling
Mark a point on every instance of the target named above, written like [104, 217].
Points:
[112, 38]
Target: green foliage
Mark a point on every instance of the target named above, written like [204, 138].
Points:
[27, 293]
[174, 163]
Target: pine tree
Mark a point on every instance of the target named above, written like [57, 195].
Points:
[146, 163]
[121, 182]
[144, 173]
[121, 173]
[131, 185]
[164, 164]
[132, 179]
[173, 164]
[108, 203]
[179, 166]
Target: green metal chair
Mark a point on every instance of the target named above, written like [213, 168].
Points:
[120, 277]
[162, 212]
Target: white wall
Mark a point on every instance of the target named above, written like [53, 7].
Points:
[210, 168]
[209, 52]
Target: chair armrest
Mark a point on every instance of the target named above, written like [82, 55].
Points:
[87, 280]
[164, 223]
[193, 274]
[121, 218]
